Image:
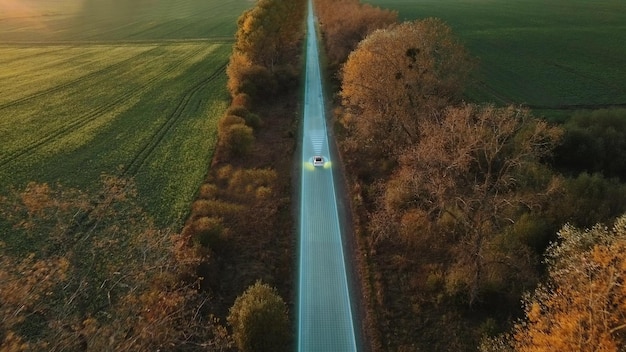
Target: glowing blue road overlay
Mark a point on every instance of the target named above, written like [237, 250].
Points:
[324, 314]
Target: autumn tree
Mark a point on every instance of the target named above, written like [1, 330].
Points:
[473, 173]
[267, 42]
[236, 139]
[594, 142]
[345, 23]
[259, 320]
[92, 273]
[269, 32]
[251, 119]
[588, 199]
[582, 307]
[397, 79]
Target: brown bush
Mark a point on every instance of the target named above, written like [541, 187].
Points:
[251, 119]
[245, 182]
[345, 23]
[237, 140]
[229, 120]
[209, 232]
[204, 207]
[241, 100]
[208, 191]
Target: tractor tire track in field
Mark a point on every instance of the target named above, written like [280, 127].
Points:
[74, 81]
[93, 114]
[84, 220]
[140, 158]
[51, 63]
[32, 55]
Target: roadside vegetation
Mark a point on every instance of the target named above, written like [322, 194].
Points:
[457, 203]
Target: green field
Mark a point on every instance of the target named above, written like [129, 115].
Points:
[547, 54]
[136, 91]
[114, 20]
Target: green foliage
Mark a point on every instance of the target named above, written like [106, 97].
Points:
[495, 344]
[595, 142]
[118, 20]
[589, 199]
[533, 230]
[259, 320]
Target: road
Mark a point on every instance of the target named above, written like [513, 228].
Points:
[325, 321]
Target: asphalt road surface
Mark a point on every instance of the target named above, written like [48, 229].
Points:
[325, 321]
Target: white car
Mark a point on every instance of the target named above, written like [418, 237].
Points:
[318, 160]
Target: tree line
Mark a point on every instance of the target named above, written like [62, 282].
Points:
[459, 202]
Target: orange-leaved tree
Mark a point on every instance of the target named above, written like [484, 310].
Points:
[582, 306]
[81, 272]
[396, 79]
[474, 172]
[345, 23]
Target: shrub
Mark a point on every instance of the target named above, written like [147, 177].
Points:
[287, 77]
[240, 111]
[243, 182]
[209, 231]
[263, 193]
[224, 173]
[229, 120]
[208, 191]
[251, 119]
[595, 142]
[259, 320]
[258, 82]
[589, 199]
[241, 99]
[581, 306]
[203, 207]
[238, 64]
[237, 139]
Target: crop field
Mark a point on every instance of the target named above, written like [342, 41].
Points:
[115, 20]
[129, 90]
[546, 54]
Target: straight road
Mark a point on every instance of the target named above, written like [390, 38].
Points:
[325, 321]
